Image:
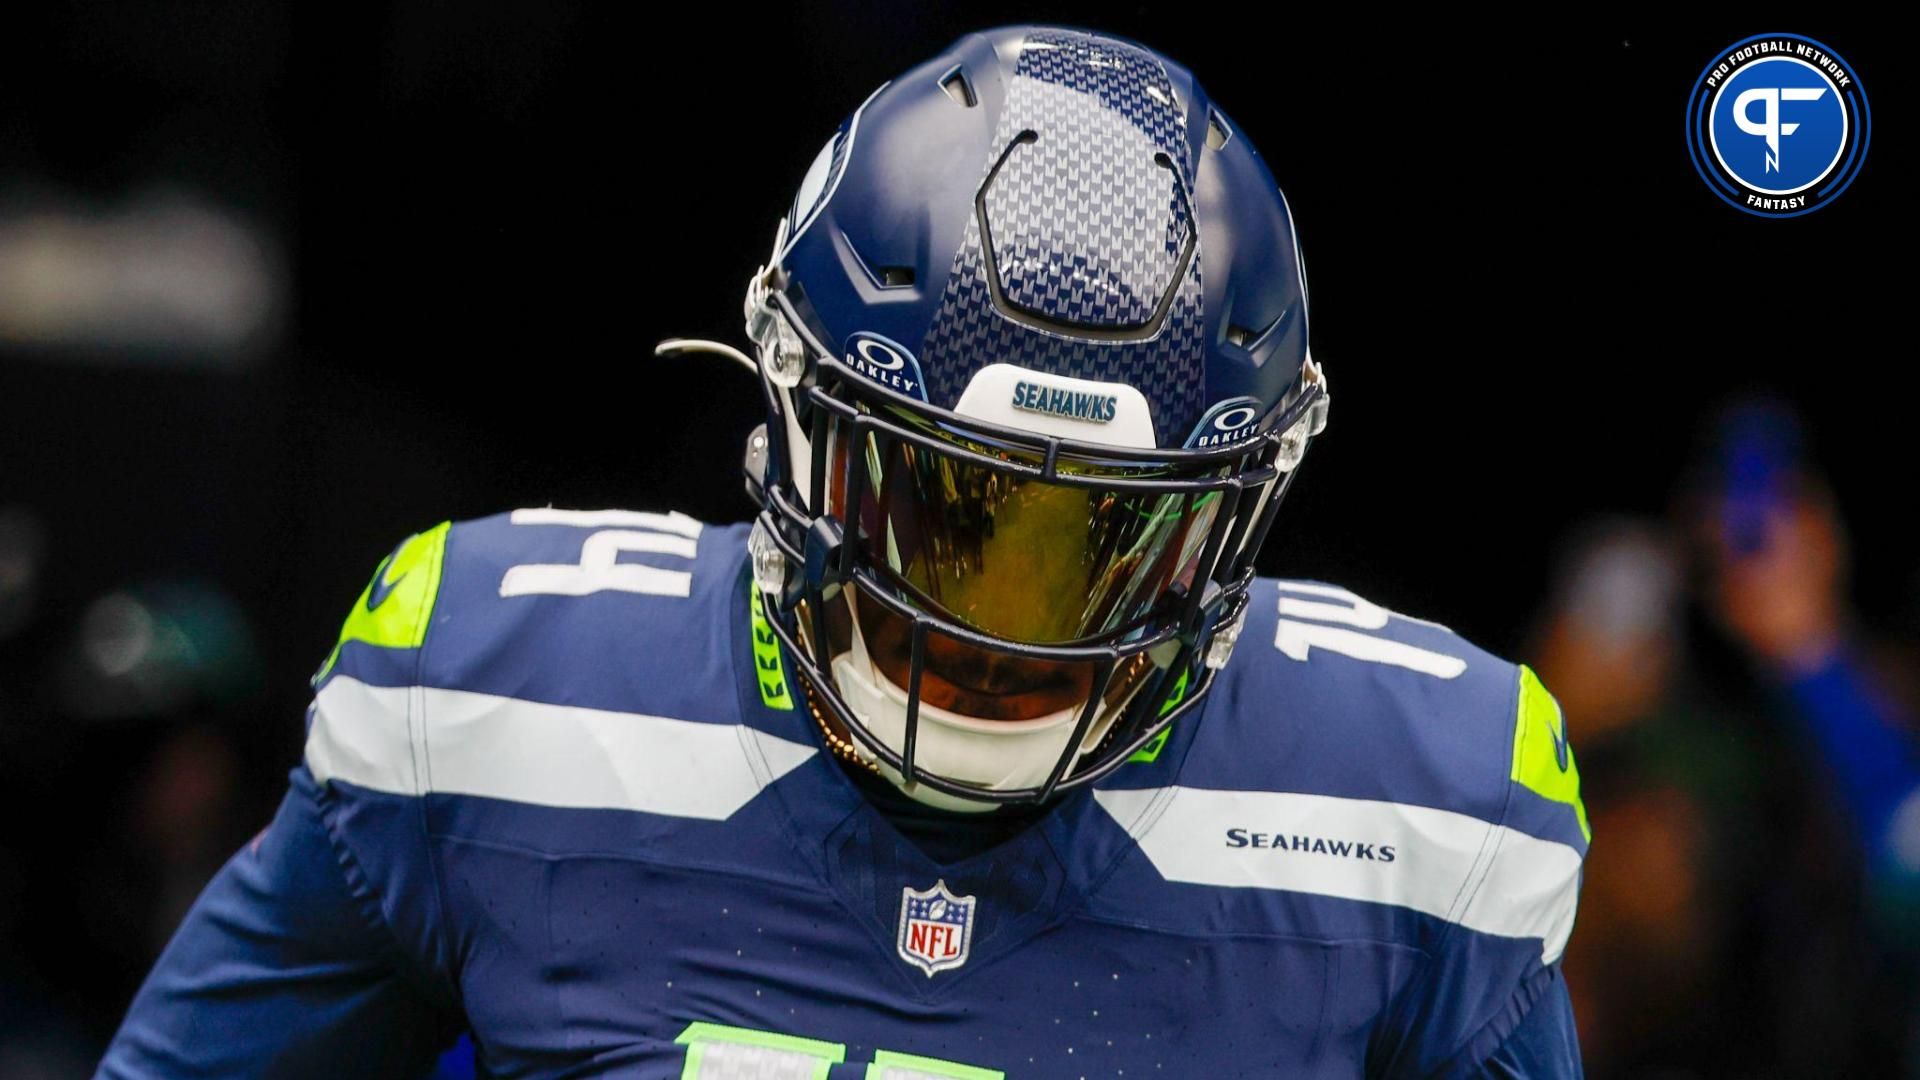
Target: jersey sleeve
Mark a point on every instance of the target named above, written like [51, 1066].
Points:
[283, 967]
[1544, 1043]
[1491, 1000]
[313, 951]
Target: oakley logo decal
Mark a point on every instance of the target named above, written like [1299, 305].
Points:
[885, 362]
[1235, 418]
[879, 354]
[1228, 421]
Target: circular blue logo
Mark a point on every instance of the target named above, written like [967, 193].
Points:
[1778, 125]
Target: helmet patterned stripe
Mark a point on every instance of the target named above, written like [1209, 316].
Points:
[1090, 227]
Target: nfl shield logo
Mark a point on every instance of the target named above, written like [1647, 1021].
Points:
[936, 928]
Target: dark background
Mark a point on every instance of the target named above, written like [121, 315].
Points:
[482, 218]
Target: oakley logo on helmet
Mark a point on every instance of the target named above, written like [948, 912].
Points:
[1072, 404]
[1235, 418]
[1778, 125]
[1228, 421]
[885, 362]
[879, 355]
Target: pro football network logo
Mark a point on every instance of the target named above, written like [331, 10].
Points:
[936, 928]
[1778, 125]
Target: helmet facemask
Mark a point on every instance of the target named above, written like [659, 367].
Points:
[987, 614]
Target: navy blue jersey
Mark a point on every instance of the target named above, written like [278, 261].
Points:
[558, 793]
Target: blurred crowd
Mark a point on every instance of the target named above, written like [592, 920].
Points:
[133, 762]
[1747, 746]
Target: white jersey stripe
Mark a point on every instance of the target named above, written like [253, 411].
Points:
[1482, 876]
[547, 755]
[361, 734]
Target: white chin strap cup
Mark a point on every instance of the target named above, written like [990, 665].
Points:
[1003, 755]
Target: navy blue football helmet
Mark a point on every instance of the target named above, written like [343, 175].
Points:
[1033, 340]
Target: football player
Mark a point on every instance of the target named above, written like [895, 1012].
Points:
[981, 751]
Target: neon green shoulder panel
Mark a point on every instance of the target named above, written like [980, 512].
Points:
[394, 609]
[1542, 758]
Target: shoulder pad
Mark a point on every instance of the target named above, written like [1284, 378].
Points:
[1330, 692]
[393, 611]
[1349, 751]
[551, 657]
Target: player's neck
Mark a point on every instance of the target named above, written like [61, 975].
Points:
[945, 836]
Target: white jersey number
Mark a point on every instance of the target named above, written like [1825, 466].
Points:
[600, 568]
[1319, 617]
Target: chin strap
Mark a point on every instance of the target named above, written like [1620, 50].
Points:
[841, 746]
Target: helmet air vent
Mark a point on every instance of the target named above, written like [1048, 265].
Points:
[957, 87]
[1217, 131]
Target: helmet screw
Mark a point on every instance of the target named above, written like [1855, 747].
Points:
[1293, 447]
[1220, 648]
[769, 562]
[786, 360]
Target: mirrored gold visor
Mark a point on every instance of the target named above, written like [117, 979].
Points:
[1014, 555]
